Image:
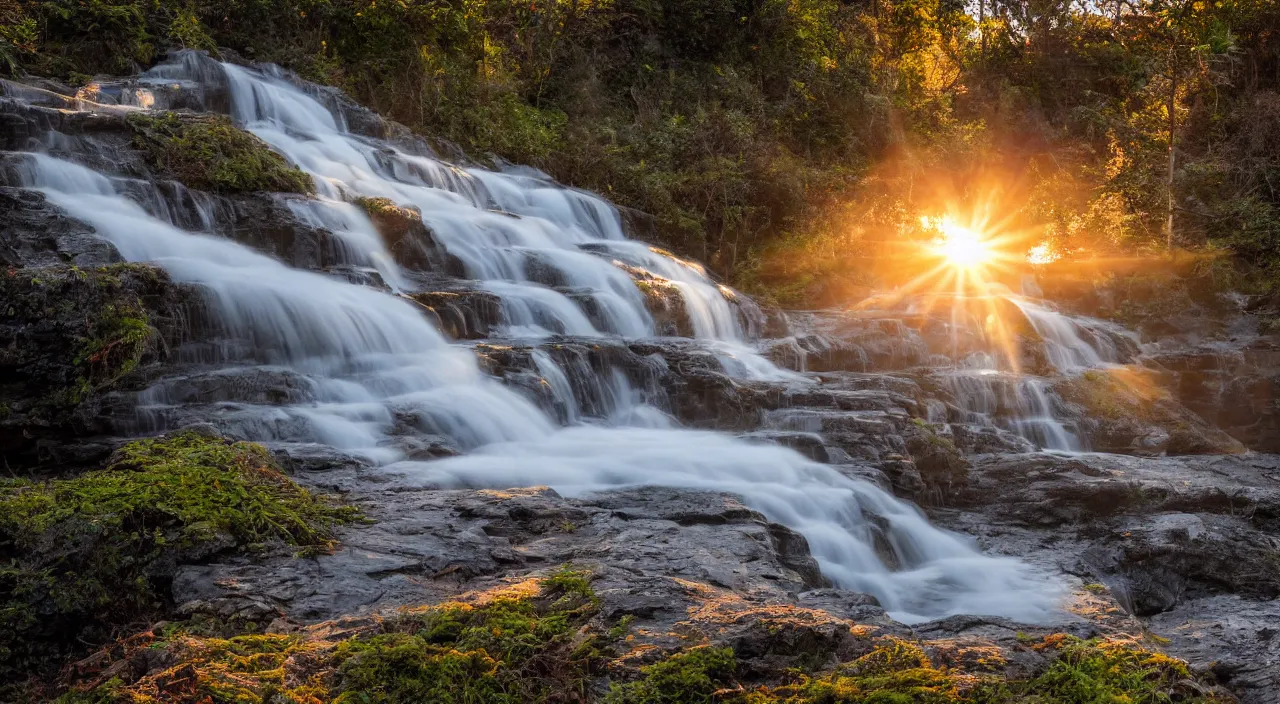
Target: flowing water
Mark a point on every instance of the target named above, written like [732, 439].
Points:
[992, 385]
[365, 360]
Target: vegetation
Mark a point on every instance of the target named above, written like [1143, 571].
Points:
[83, 555]
[898, 672]
[791, 145]
[540, 641]
[211, 154]
[92, 327]
[519, 645]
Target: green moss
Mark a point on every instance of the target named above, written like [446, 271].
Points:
[81, 554]
[376, 206]
[533, 643]
[899, 672]
[691, 676]
[1098, 672]
[209, 153]
[521, 645]
[513, 649]
[1107, 396]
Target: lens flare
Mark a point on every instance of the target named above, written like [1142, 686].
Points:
[965, 260]
[961, 246]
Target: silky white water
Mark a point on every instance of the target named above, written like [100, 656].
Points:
[371, 361]
[990, 385]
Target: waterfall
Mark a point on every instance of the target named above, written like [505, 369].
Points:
[1072, 343]
[993, 388]
[367, 361]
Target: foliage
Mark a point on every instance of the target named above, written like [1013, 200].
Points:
[521, 645]
[1098, 671]
[210, 153]
[537, 641]
[791, 145]
[691, 676]
[81, 555]
[895, 671]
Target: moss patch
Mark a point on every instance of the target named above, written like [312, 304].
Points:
[209, 153]
[83, 554]
[526, 643]
[1128, 402]
[690, 676]
[941, 464]
[899, 672]
[539, 641]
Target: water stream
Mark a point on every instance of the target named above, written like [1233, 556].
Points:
[366, 359]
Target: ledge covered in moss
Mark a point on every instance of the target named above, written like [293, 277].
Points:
[548, 639]
[82, 556]
[209, 153]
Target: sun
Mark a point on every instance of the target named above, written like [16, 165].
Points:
[961, 246]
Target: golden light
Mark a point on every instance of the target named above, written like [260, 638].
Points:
[961, 246]
[963, 260]
[1042, 253]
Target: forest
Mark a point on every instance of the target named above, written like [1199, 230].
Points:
[640, 351]
[791, 143]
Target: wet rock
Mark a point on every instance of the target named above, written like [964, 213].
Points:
[942, 468]
[425, 543]
[37, 234]
[1235, 639]
[1124, 409]
[462, 314]
[409, 240]
[1157, 561]
[1231, 385]
[267, 223]
[1186, 543]
[69, 336]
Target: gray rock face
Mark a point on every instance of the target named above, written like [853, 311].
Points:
[36, 234]
[1187, 544]
[424, 545]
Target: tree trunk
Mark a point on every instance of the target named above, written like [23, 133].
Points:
[982, 30]
[1173, 131]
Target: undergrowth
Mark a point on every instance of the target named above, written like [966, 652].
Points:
[81, 556]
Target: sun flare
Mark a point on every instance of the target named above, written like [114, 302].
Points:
[966, 260]
[961, 246]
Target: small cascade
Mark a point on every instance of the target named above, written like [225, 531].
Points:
[1073, 343]
[992, 385]
[366, 374]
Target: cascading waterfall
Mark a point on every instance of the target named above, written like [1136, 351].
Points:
[367, 360]
[988, 384]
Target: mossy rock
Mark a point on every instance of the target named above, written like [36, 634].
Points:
[209, 153]
[543, 640]
[97, 318]
[84, 555]
[521, 644]
[897, 671]
[1127, 409]
[69, 335]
